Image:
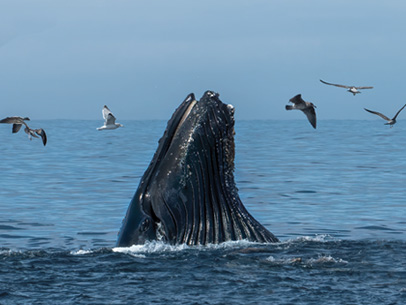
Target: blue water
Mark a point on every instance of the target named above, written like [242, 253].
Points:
[334, 196]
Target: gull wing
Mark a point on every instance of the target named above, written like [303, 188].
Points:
[16, 127]
[297, 99]
[8, 120]
[378, 113]
[109, 118]
[41, 132]
[106, 111]
[394, 118]
[12, 120]
[367, 87]
[311, 116]
[337, 85]
[16, 121]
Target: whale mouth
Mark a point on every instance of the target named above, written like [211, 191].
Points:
[187, 112]
[188, 193]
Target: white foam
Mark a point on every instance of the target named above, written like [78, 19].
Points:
[81, 252]
[317, 238]
[323, 259]
[230, 244]
[150, 247]
[271, 259]
[8, 252]
[161, 247]
[326, 259]
[284, 261]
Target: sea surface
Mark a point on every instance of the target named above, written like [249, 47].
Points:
[335, 197]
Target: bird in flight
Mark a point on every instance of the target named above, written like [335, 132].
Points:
[391, 121]
[109, 120]
[306, 107]
[353, 89]
[20, 121]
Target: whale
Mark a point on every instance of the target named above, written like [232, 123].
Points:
[188, 193]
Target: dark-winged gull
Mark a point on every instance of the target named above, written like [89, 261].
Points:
[391, 121]
[306, 107]
[19, 121]
[109, 120]
[353, 89]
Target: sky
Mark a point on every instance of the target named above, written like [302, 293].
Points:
[66, 59]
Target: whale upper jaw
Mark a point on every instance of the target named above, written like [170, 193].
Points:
[188, 194]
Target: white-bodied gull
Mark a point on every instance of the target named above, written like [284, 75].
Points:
[109, 120]
[353, 89]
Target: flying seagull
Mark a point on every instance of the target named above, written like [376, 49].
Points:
[392, 121]
[306, 107]
[20, 121]
[109, 120]
[353, 89]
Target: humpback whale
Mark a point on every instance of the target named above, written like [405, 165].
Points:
[188, 194]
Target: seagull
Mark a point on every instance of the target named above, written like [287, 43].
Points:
[392, 121]
[109, 120]
[353, 89]
[34, 132]
[306, 107]
[17, 122]
[20, 121]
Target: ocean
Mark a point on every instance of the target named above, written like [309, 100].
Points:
[335, 197]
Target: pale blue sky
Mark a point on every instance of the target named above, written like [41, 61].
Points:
[66, 59]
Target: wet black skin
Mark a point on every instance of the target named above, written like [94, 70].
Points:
[188, 194]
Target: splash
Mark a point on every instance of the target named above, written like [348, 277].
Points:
[150, 247]
[322, 238]
[309, 262]
[161, 247]
[81, 252]
[325, 259]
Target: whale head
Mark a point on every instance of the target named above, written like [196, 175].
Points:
[188, 194]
